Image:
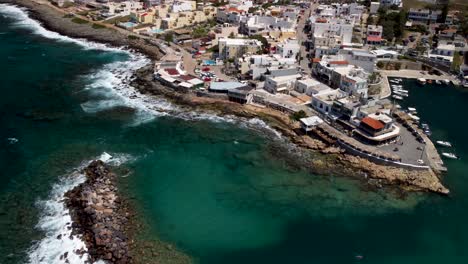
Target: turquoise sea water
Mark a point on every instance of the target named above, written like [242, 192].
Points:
[214, 187]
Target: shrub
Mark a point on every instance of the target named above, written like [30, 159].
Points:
[298, 115]
[380, 64]
[133, 37]
[79, 20]
[98, 26]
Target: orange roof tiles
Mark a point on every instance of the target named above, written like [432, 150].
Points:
[374, 124]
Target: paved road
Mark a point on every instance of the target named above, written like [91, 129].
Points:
[301, 37]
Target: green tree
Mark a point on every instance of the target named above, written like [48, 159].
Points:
[457, 60]
[263, 40]
[298, 115]
[380, 64]
[169, 37]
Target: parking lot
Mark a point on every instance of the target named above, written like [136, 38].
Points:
[409, 149]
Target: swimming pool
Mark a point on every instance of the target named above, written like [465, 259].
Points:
[209, 62]
[157, 31]
[128, 24]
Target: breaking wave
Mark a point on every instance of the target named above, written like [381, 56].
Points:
[55, 221]
[22, 20]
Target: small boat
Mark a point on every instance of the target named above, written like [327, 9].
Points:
[422, 81]
[411, 109]
[438, 82]
[450, 155]
[400, 93]
[446, 81]
[414, 117]
[397, 97]
[444, 143]
[429, 81]
[428, 132]
[398, 106]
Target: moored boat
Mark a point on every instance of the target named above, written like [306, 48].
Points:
[414, 117]
[446, 81]
[438, 82]
[444, 143]
[421, 81]
[397, 97]
[450, 155]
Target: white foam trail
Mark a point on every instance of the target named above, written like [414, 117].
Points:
[12, 140]
[55, 220]
[22, 20]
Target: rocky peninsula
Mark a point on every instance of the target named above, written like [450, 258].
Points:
[99, 216]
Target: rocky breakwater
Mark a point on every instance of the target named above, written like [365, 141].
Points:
[99, 216]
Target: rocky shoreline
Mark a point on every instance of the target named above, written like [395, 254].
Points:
[342, 163]
[99, 216]
[57, 21]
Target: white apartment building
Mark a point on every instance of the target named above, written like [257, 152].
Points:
[122, 8]
[424, 15]
[183, 6]
[254, 25]
[338, 27]
[288, 48]
[280, 84]
[234, 48]
[358, 57]
[390, 2]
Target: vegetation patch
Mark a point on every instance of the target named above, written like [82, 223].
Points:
[78, 20]
[133, 37]
[98, 26]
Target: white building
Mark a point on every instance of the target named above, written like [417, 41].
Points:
[374, 35]
[254, 25]
[374, 7]
[424, 15]
[288, 49]
[443, 53]
[122, 8]
[323, 102]
[338, 27]
[311, 87]
[385, 54]
[280, 84]
[183, 6]
[234, 48]
[391, 2]
[359, 57]
[354, 82]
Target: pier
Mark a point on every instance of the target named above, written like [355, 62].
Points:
[386, 91]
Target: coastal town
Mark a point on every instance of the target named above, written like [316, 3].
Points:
[136, 114]
[336, 69]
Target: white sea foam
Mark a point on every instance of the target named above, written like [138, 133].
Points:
[22, 20]
[111, 83]
[12, 140]
[55, 219]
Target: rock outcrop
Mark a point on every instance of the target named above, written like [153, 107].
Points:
[99, 216]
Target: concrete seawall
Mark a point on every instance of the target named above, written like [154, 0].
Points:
[378, 160]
